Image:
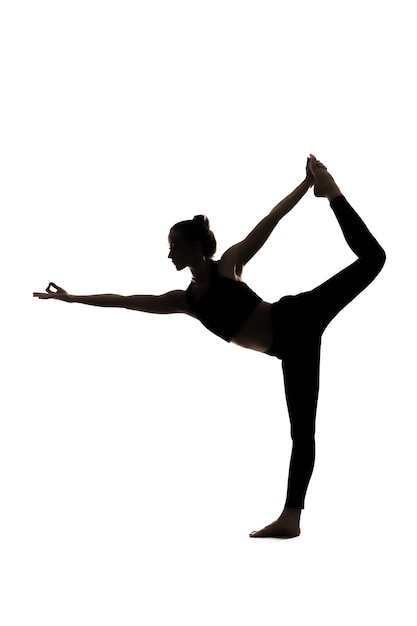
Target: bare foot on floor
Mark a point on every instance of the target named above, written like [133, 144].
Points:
[286, 526]
[324, 183]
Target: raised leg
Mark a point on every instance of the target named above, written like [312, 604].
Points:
[332, 296]
[328, 299]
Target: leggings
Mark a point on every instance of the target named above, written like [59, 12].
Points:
[299, 322]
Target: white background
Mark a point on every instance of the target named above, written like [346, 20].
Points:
[137, 452]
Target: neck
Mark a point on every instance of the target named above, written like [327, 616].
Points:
[201, 270]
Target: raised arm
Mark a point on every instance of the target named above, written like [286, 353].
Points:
[242, 252]
[171, 302]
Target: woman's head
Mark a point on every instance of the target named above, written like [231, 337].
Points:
[195, 235]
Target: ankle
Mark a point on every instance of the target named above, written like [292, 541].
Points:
[292, 513]
[333, 193]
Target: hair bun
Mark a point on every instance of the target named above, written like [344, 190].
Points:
[202, 221]
[198, 229]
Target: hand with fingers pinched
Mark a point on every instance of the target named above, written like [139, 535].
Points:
[52, 292]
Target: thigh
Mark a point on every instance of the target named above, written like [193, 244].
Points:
[329, 298]
[294, 326]
[301, 370]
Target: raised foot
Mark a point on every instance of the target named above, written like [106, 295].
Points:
[324, 183]
[282, 528]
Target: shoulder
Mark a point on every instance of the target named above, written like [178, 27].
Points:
[229, 267]
[176, 302]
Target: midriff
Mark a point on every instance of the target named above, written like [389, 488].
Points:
[256, 332]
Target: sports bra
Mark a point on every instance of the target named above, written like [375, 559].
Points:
[225, 305]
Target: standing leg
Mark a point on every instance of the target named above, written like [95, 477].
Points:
[301, 379]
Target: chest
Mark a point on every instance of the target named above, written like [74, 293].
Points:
[201, 287]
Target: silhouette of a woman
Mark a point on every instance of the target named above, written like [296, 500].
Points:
[289, 329]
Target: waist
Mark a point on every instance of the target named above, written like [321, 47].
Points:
[256, 332]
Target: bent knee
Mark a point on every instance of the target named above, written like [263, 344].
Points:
[376, 259]
[379, 258]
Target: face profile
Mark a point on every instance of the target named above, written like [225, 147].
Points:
[181, 252]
